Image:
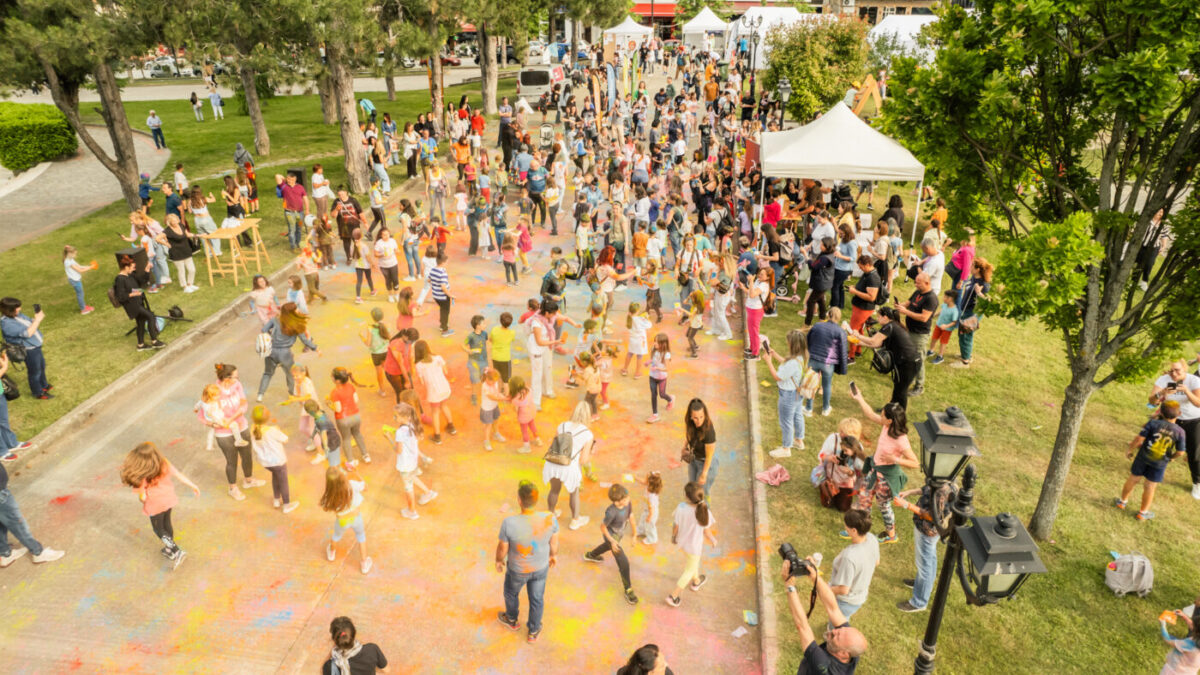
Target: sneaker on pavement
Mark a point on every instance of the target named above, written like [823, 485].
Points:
[673, 601]
[180, 554]
[631, 597]
[411, 515]
[1195, 490]
[533, 636]
[16, 554]
[253, 483]
[236, 493]
[906, 606]
[8, 457]
[652, 419]
[780, 453]
[427, 497]
[48, 555]
[696, 585]
[366, 565]
[579, 522]
[513, 625]
[291, 506]
[587, 557]
[27, 445]
[330, 554]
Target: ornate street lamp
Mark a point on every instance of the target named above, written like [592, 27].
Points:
[753, 24]
[784, 88]
[1000, 554]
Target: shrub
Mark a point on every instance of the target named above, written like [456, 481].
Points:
[33, 133]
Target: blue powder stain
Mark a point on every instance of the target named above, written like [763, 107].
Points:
[86, 604]
[273, 620]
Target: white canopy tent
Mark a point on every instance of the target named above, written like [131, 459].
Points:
[905, 28]
[840, 145]
[772, 17]
[704, 23]
[627, 31]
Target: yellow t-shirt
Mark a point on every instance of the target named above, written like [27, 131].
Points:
[940, 214]
[502, 339]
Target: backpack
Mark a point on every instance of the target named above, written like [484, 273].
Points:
[112, 297]
[882, 361]
[262, 344]
[1131, 573]
[562, 449]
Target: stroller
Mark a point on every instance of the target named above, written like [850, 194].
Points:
[546, 136]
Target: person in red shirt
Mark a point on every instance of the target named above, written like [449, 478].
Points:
[773, 211]
[397, 364]
[478, 123]
[344, 402]
[440, 234]
[295, 207]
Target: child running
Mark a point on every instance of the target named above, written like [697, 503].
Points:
[267, 441]
[604, 365]
[638, 322]
[490, 396]
[616, 517]
[148, 472]
[520, 396]
[694, 313]
[324, 435]
[693, 524]
[343, 497]
[659, 358]
[408, 455]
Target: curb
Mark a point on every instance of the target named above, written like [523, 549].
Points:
[24, 178]
[86, 410]
[768, 620]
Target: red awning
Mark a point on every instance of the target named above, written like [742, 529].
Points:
[661, 9]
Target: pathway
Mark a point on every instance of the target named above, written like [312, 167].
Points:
[256, 593]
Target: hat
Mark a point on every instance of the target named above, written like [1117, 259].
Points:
[151, 111]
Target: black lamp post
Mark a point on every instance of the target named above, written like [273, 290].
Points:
[1000, 553]
[753, 25]
[785, 94]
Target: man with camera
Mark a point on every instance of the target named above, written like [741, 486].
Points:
[843, 645]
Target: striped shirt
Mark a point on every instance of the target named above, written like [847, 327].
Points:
[438, 280]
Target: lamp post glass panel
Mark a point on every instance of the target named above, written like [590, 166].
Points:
[1000, 553]
[785, 95]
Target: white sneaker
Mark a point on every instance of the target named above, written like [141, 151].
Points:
[411, 515]
[525, 449]
[1196, 491]
[498, 438]
[165, 281]
[277, 502]
[48, 555]
[426, 498]
[253, 483]
[366, 565]
[16, 554]
[579, 522]
[826, 411]
[330, 554]
[241, 443]
[780, 453]
[236, 493]
[290, 506]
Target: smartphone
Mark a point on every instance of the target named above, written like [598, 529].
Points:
[853, 388]
[36, 308]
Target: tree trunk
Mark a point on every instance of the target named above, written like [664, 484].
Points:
[436, 95]
[488, 71]
[574, 39]
[262, 141]
[1075, 401]
[389, 81]
[328, 105]
[352, 139]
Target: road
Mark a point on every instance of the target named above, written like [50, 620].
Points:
[256, 593]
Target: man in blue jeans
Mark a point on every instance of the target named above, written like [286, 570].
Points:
[527, 550]
[930, 514]
[11, 520]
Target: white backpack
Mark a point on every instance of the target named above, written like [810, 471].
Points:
[1130, 573]
[262, 344]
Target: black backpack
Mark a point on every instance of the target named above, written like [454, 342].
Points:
[882, 361]
[562, 449]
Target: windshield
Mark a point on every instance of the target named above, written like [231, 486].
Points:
[535, 78]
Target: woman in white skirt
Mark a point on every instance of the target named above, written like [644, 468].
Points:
[569, 477]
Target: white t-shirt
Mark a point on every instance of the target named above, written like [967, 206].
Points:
[181, 181]
[691, 533]
[427, 265]
[269, 450]
[68, 265]
[1187, 411]
[385, 251]
[753, 302]
[536, 326]
[356, 500]
[321, 186]
[935, 267]
[820, 232]
[654, 247]
[637, 332]
[406, 459]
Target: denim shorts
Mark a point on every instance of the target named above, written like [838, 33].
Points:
[360, 530]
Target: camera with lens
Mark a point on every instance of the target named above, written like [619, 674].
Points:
[797, 566]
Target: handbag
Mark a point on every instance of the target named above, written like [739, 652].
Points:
[687, 456]
[11, 392]
[969, 325]
[15, 353]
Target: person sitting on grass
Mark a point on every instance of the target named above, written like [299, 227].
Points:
[1160, 441]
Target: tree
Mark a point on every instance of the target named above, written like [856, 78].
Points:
[495, 18]
[592, 12]
[885, 48]
[1062, 127]
[345, 27]
[821, 59]
[58, 45]
[686, 10]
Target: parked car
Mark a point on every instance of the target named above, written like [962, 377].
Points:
[447, 60]
[509, 56]
[157, 69]
[535, 80]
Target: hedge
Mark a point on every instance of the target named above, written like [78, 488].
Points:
[31, 133]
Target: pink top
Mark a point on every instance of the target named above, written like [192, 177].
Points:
[404, 321]
[233, 406]
[508, 254]
[889, 449]
[160, 493]
[525, 410]
[962, 259]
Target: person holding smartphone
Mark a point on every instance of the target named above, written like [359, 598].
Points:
[1176, 384]
[23, 332]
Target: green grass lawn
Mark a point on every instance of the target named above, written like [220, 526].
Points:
[1065, 621]
[86, 353]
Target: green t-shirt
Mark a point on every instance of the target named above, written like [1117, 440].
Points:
[502, 339]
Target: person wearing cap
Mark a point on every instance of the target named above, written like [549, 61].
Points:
[155, 124]
[1159, 441]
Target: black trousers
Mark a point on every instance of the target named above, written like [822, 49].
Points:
[144, 319]
[902, 379]
[161, 524]
[620, 557]
[539, 204]
[1191, 440]
[816, 299]
[444, 313]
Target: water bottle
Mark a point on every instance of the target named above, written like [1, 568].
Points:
[817, 558]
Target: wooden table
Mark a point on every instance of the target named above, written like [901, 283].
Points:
[256, 252]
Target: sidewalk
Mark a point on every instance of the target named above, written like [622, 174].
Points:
[69, 189]
[256, 593]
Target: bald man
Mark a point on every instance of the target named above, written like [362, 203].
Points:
[843, 645]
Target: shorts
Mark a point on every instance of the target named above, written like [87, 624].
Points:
[360, 530]
[1151, 471]
[408, 477]
[378, 359]
[489, 416]
[145, 201]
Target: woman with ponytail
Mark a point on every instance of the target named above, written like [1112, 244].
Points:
[351, 657]
[647, 660]
[693, 524]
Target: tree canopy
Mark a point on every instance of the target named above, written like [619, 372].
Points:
[821, 59]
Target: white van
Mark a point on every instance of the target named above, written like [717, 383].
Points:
[535, 80]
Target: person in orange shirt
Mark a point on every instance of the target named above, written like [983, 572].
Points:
[462, 155]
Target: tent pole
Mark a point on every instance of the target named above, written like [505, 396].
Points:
[917, 216]
[762, 194]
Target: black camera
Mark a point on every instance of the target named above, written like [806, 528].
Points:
[797, 566]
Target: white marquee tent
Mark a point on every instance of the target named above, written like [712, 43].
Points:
[904, 27]
[626, 31]
[839, 145]
[772, 17]
[704, 23]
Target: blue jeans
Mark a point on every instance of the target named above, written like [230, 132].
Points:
[791, 417]
[11, 520]
[696, 467]
[35, 364]
[295, 225]
[412, 259]
[535, 585]
[78, 286]
[826, 370]
[385, 182]
[966, 341]
[847, 609]
[160, 141]
[925, 549]
[278, 358]
[8, 439]
[475, 368]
